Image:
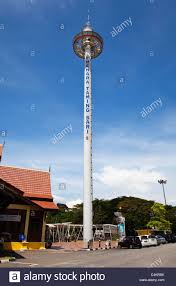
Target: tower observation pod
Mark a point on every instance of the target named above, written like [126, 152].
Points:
[88, 45]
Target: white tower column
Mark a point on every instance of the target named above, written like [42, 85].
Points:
[88, 188]
[87, 45]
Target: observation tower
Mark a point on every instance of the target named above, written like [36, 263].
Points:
[87, 45]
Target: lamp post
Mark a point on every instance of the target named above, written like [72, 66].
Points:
[163, 182]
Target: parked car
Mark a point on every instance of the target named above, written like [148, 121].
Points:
[160, 239]
[170, 237]
[130, 242]
[148, 240]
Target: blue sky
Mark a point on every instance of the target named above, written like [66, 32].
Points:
[41, 90]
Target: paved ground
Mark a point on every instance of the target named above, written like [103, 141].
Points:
[160, 256]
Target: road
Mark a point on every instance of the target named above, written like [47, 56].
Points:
[160, 256]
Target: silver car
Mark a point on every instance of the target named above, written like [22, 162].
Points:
[160, 239]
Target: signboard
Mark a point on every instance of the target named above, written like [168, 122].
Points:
[4, 217]
[87, 93]
[121, 229]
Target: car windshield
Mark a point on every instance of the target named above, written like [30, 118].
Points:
[129, 238]
[144, 237]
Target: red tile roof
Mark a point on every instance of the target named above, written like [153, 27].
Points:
[34, 183]
[1, 149]
[45, 204]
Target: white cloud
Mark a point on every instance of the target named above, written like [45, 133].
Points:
[130, 180]
[58, 199]
[73, 203]
[129, 165]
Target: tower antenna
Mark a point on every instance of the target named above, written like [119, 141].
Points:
[49, 169]
[88, 18]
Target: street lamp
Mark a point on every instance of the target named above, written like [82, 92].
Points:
[162, 182]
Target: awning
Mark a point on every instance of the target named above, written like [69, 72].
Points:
[46, 205]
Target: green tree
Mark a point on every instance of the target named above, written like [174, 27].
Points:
[136, 212]
[171, 216]
[102, 211]
[158, 219]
